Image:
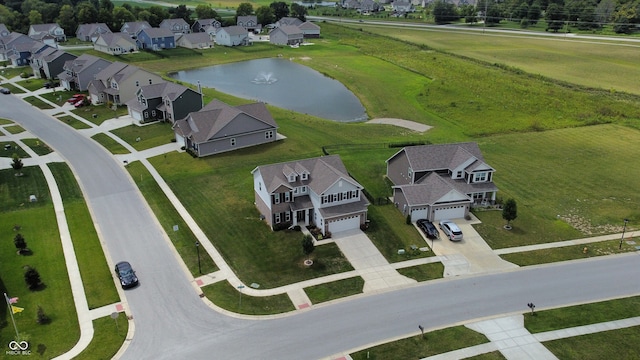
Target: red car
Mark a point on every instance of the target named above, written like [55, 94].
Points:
[79, 103]
[75, 98]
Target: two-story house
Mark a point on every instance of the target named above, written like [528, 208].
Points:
[40, 31]
[209, 26]
[199, 40]
[131, 28]
[218, 128]
[49, 62]
[316, 191]
[90, 32]
[232, 36]
[249, 23]
[20, 53]
[79, 72]
[115, 44]
[166, 101]
[286, 35]
[119, 82]
[155, 39]
[8, 42]
[438, 182]
[176, 26]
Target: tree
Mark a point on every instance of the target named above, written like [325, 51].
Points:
[534, 13]
[205, 11]
[494, 15]
[86, 13]
[158, 13]
[32, 278]
[182, 12]
[42, 318]
[121, 16]
[307, 245]
[35, 17]
[444, 12]
[20, 243]
[17, 165]
[244, 9]
[265, 15]
[555, 17]
[509, 212]
[468, 12]
[299, 11]
[280, 9]
[67, 19]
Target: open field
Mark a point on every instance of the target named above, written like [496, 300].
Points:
[578, 61]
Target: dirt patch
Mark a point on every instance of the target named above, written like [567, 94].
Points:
[305, 58]
[407, 124]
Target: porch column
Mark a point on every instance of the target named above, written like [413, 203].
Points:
[493, 196]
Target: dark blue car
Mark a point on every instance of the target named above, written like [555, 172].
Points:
[127, 276]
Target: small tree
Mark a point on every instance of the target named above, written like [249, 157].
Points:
[509, 212]
[17, 164]
[42, 318]
[307, 245]
[32, 278]
[20, 243]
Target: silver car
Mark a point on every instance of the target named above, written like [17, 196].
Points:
[450, 229]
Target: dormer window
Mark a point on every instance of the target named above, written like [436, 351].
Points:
[458, 174]
[292, 178]
[304, 176]
[480, 177]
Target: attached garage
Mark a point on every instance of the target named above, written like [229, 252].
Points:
[136, 115]
[344, 224]
[449, 212]
[418, 214]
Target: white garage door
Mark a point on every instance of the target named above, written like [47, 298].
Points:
[349, 223]
[136, 115]
[418, 214]
[449, 212]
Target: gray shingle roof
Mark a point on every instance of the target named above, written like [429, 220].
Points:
[431, 189]
[442, 156]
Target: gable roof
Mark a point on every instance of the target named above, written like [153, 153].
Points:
[205, 124]
[113, 38]
[196, 38]
[82, 62]
[431, 189]
[174, 23]
[91, 29]
[308, 25]
[289, 30]
[235, 30]
[156, 32]
[325, 171]
[441, 156]
[289, 21]
[133, 27]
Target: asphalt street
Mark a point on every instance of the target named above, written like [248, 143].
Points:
[171, 321]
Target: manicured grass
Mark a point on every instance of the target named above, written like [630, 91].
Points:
[5, 121]
[59, 96]
[418, 347]
[12, 72]
[227, 297]
[108, 336]
[101, 112]
[580, 315]
[14, 129]
[183, 239]
[619, 344]
[37, 103]
[494, 355]
[38, 226]
[564, 59]
[32, 84]
[565, 253]
[334, 290]
[424, 272]
[37, 146]
[389, 232]
[146, 136]
[15, 149]
[110, 144]
[14, 89]
[96, 276]
[73, 122]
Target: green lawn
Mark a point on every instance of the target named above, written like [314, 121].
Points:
[108, 336]
[620, 344]
[110, 144]
[334, 290]
[59, 97]
[14, 149]
[37, 223]
[14, 129]
[14, 89]
[229, 298]
[73, 122]
[37, 146]
[146, 136]
[99, 113]
[424, 272]
[38, 103]
[32, 84]
[12, 72]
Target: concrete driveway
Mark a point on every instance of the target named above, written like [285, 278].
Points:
[471, 255]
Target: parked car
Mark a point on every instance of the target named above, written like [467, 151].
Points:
[428, 228]
[79, 103]
[75, 98]
[450, 229]
[5, 91]
[127, 276]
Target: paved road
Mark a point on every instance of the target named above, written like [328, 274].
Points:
[172, 322]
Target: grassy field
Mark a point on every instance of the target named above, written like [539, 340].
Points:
[563, 59]
[146, 136]
[621, 342]
[334, 290]
[15, 149]
[99, 114]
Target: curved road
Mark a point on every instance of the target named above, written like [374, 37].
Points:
[171, 321]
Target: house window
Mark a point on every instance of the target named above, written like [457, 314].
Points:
[292, 178]
[233, 141]
[287, 216]
[137, 83]
[276, 198]
[114, 85]
[287, 197]
[459, 175]
[410, 173]
[153, 113]
[150, 81]
[259, 186]
[268, 135]
[146, 114]
[481, 177]
[277, 218]
[304, 189]
[304, 176]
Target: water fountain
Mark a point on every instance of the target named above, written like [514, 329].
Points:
[264, 78]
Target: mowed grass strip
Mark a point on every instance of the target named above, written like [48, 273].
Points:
[37, 102]
[110, 144]
[108, 336]
[335, 289]
[37, 146]
[97, 278]
[424, 272]
[37, 223]
[419, 346]
[14, 129]
[73, 122]
[619, 343]
[146, 136]
[229, 298]
[99, 113]
[12, 148]
[183, 239]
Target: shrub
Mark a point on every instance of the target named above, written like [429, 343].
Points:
[20, 243]
[42, 318]
[32, 278]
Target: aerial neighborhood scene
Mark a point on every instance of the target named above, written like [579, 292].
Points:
[339, 180]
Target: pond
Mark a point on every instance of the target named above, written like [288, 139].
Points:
[282, 83]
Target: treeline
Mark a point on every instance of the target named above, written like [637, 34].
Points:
[18, 15]
[622, 15]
